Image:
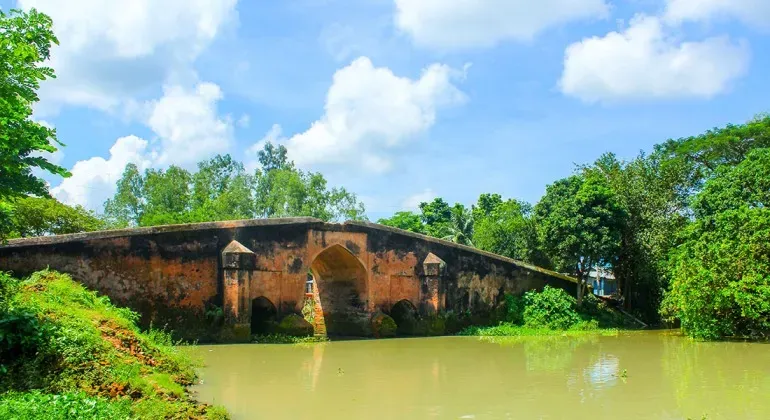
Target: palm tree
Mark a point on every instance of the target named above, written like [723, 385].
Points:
[460, 230]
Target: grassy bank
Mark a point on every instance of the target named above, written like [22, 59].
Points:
[551, 312]
[67, 353]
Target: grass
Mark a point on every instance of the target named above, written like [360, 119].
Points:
[88, 358]
[506, 329]
[287, 339]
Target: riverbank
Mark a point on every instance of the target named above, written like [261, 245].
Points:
[65, 350]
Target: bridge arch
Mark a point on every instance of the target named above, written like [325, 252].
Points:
[340, 292]
[263, 314]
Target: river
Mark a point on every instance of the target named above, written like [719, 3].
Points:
[636, 375]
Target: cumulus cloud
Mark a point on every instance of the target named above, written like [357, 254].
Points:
[93, 180]
[188, 129]
[752, 12]
[187, 123]
[413, 201]
[644, 62]
[369, 110]
[483, 23]
[110, 50]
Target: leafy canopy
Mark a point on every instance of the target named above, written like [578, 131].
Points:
[221, 189]
[720, 285]
[25, 43]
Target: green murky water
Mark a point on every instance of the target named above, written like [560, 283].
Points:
[667, 377]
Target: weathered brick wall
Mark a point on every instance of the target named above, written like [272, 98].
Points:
[173, 275]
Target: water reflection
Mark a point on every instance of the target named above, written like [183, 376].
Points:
[463, 377]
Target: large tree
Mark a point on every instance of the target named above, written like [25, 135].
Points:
[506, 228]
[649, 190]
[25, 43]
[579, 224]
[720, 284]
[436, 217]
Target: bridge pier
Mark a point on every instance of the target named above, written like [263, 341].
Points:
[238, 263]
[433, 294]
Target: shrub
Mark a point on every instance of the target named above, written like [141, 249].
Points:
[295, 325]
[552, 308]
[383, 325]
[37, 405]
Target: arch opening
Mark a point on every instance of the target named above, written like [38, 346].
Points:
[340, 292]
[263, 315]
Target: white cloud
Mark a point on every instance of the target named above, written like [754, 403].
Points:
[370, 110]
[644, 62]
[187, 127]
[483, 23]
[93, 180]
[413, 201]
[113, 50]
[187, 124]
[243, 121]
[752, 12]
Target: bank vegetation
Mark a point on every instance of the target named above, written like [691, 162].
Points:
[66, 352]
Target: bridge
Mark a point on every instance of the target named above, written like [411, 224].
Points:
[222, 281]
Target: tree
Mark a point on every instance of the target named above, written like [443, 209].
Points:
[126, 207]
[284, 191]
[222, 190]
[34, 216]
[720, 285]
[704, 153]
[506, 228]
[25, 43]
[656, 205]
[460, 228]
[405, 220]
[436, 216]
[579, 224]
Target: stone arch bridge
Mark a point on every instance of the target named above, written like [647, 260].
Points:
[219, 280]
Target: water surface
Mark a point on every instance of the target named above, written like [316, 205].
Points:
[666, 377]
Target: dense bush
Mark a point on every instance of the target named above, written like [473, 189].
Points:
[552, 308]
[37, 405]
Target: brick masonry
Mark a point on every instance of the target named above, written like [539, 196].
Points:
[200, 279]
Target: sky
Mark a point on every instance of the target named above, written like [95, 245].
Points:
[399, 101]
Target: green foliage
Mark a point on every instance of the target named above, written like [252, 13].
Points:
[513, 309]
[383, 326]
[507, 228]
[405, 220]
[579, 224]
[25, 44]
[511, 330]
[89, 346]
[655, 199]
[295, 325]
[436, 216]
[65, 406]
[460, 227]
[552, 308]
[702, 155]
[720, 285]
[278, 338]
[33, 216]
[221, 189]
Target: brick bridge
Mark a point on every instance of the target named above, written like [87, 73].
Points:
[218, 281]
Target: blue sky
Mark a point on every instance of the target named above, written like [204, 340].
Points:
[396, 100]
